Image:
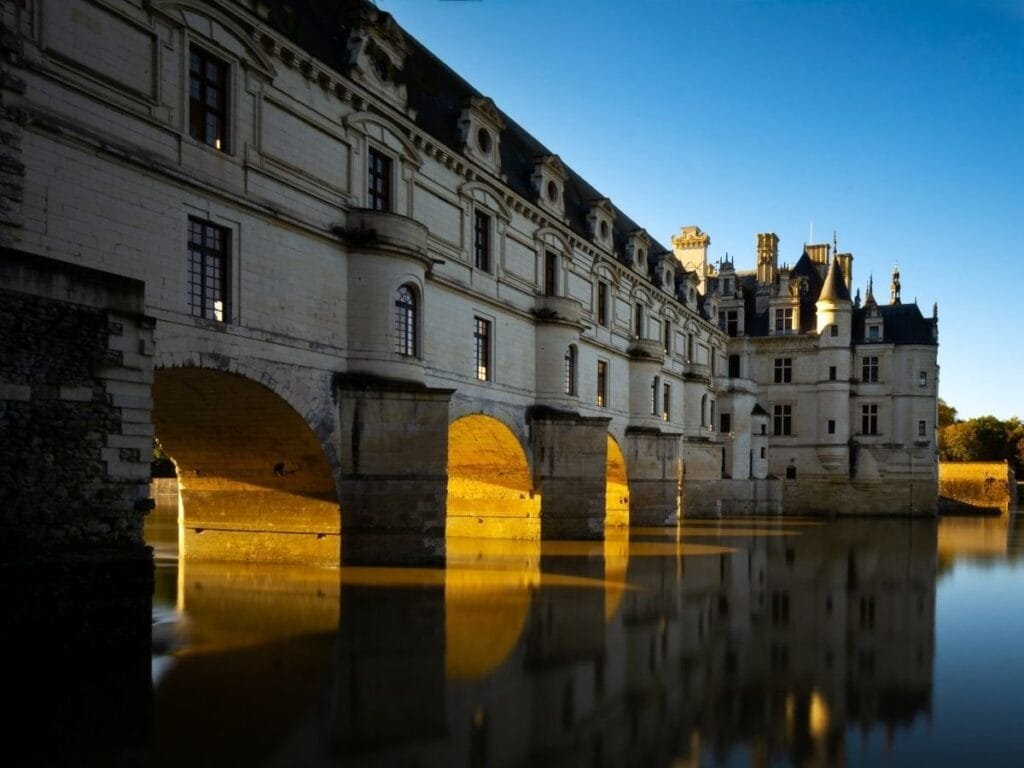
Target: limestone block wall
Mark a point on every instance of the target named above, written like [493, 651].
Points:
[75, 377]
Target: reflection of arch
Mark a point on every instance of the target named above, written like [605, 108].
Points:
[487, 595]
[489, 487]
[248, 466]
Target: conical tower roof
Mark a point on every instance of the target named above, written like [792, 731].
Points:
[835, 288]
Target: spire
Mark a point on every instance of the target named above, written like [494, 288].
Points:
[894, 289]
[869, 297]
[834, 288]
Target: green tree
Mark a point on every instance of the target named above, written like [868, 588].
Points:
[947, 414]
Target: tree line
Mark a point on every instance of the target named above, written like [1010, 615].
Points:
[984, 438]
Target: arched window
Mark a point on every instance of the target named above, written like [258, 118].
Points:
[570, 370]
[405, 321]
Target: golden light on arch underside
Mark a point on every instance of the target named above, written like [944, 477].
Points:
[616, 528]
[490, 492]
[492, 532]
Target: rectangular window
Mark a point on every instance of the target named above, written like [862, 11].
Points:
[602, 303]
[831, 373]
[783, 370]
[378, 181]
[782, 421]
[874, 333]
[869, 369]
[638, 321]
[831, 426]
[689, 348]
[208, 271]
[732, 322]
[208, 99]
[764, 452]
[726, 423]
[550, 273]
[569, 374]
[482, 344]
[482, 241]
[654, 396]
[602, 383]
[711, 416]
[784, 320]
[734, 366]
[666, 402]
[922, 429]
[667, 332]
[833, 330]
[922, 379]
[869, 419]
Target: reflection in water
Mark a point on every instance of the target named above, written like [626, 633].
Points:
[753, 642]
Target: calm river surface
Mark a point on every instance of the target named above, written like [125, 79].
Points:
[732, 642]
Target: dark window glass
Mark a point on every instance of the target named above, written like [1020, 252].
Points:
[869, 369]
[379, 181]
[208, 271]
[569, 375]
[482, 342]
[726, 422]
[550, 274]
[602, 303]
[783, 370]
[208, 99]
[734, 366]
[602, 383]
[405, 321]
[783, 420]
[869, 419]
[482, 241]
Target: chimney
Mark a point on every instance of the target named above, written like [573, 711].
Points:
[767, 257]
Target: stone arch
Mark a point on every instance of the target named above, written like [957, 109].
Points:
[616, 495]
[255, 482]
[490, 487]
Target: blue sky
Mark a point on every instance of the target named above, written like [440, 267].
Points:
[897, 124]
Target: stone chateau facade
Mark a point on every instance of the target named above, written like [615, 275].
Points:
[362, 285]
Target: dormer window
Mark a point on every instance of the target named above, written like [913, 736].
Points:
[480, 127]
[641, 258]
[874, 333]
[600, 219]
[549, 177]
[377, 51]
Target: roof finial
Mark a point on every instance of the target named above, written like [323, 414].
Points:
[835, 242]
[894, 289]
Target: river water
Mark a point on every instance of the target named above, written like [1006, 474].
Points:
[726, 642]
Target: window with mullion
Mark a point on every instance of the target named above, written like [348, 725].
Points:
[208, 99]
[208, 268]
[378, 181]
[405, 322]
[482, 347]
[482, 241]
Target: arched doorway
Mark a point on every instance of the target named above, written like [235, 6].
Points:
[616, 493]
[254, 483]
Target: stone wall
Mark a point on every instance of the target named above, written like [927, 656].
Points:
[75, 375]
[975, 486]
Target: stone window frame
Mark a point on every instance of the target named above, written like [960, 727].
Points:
[491, 236]
[214, 214]
[484, 347]
[870, 369]
[666, 401]
[603, 299]
[407, 339]
[393, 163]
[870, 415]
[570, 372]
[216, 258]
[602, 381]
[783, 370]
[788, 324]
[225, 110]
[783, 416]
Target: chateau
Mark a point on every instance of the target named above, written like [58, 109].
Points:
[327, 273]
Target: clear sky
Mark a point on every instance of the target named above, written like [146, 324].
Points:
[897, 124]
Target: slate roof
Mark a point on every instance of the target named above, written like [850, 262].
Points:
[901, 324]
[834, 288]
[437, 93]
